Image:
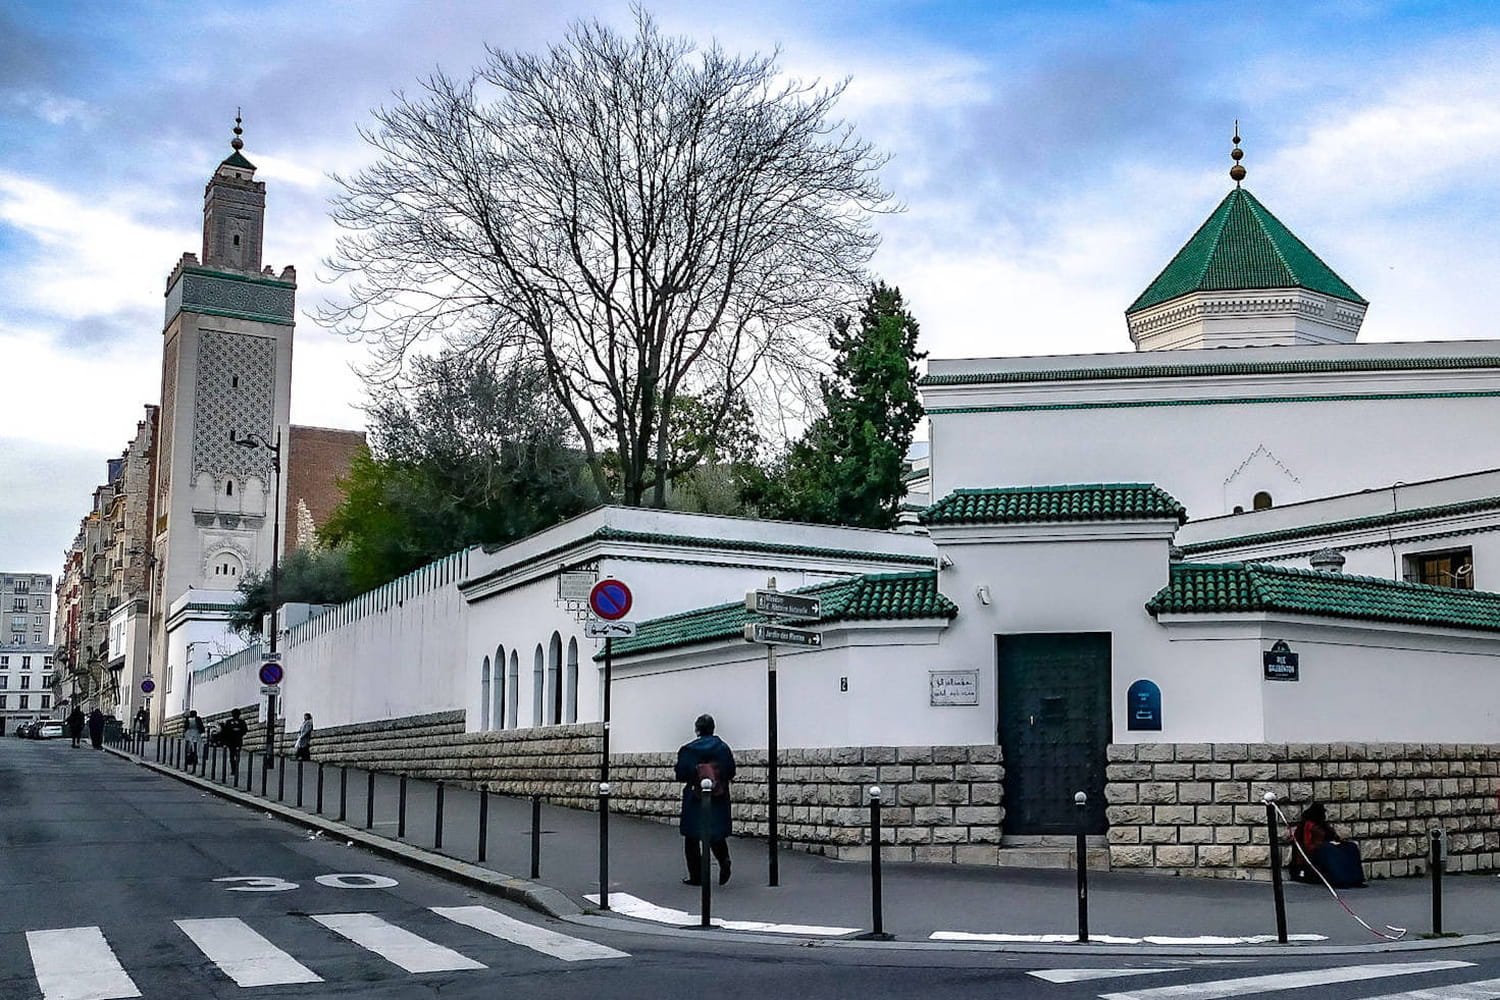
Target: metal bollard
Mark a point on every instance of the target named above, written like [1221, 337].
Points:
[1275, 844]
[603, 845]
[281, 778]
[369, 800]
[437, 823]
[536, 836]
[877, 906]
[401, 809]
[343, 791]
[1081, 800]
[299, 782]
[265, 769]
[213, 763]
[1435, 860]
[320, 788]
[705, 867]
[484, 821]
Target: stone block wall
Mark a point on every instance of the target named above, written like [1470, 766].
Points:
[1196, 808]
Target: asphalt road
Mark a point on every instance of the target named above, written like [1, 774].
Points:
[116, 882]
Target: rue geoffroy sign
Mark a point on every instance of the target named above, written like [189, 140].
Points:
[953, 687]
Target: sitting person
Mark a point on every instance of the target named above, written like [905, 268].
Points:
[1318, 849]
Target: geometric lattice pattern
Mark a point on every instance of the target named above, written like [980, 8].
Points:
[235, 395]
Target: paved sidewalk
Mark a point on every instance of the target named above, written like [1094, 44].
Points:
[920, 901]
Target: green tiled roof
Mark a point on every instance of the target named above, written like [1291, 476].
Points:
[1198, 588]
[1385, 520]
[871, 597]
[1214, 369]
[1087, 502]
[1242, 245]
[237, 159]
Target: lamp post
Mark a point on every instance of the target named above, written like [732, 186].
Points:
[258, 441]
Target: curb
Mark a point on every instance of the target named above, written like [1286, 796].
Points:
[554, 903]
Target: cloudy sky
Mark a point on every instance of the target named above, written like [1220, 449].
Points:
[1051, 155]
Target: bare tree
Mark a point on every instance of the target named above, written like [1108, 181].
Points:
[649, 221]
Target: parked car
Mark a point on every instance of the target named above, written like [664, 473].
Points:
[26, 730]
[48, 729]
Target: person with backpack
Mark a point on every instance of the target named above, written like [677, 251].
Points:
[193, 731]
[1317, 849]
[709, 757]
[232, 735]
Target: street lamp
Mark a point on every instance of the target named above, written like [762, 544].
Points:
[253, 440]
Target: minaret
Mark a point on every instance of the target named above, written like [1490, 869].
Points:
[226, 376]
[1244, 280]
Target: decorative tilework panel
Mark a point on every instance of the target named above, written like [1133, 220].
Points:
[222, 407]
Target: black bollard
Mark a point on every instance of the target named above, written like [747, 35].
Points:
[1081, 800]
[1274, 836]
[401, 809]
[484, 821]
[281, 778]
[705, 866]
[299, 782]
[320, 788]
[265, 769]
[343, 791]
[877, 906]
[213, 763]
[437, 823]
[536, 836]
[369, 800]
[1435, 860]
[603, 845]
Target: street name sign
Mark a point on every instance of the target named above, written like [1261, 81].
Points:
[780, 605]
[597, 628]
[781, 635]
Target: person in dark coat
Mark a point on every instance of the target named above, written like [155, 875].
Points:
[96, 729]
[1331, 856]
[705, 757]
[76, 719]
[232, 735]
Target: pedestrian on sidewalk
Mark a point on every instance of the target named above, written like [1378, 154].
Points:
[76, 719]
[232, 735]
[142, 722]
[709, 757]
[192, 733]
[303, 746]
[96, 729]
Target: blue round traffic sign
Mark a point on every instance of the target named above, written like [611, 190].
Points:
[147, 686]
[610, 600]
[270, 672]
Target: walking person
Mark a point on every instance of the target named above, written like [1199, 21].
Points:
[192, 733]
[142, 722]
[709, 757]
[96, 729]
[303, 746]
[232, 735]
[76, 719]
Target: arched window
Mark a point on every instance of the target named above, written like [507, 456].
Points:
[554, 680]
[513, 691]
[484, 695]
[1262, 501]
[229, 488]
[538, 666]
[497, 709]
[572, 682]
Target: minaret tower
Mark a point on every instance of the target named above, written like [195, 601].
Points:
[226, 376]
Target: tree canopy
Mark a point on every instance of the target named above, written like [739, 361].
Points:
[645, 222]
[305, 575]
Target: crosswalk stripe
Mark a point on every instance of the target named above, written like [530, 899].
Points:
[1484, 989]
[1085, 975]
[76, 963]
[1283, 981]
[563, 946]
[394, 944]
[243, 955]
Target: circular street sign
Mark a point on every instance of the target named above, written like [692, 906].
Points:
[610, 600]
[270, 672]
[147, 686]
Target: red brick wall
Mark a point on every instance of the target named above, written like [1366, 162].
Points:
[316, 458]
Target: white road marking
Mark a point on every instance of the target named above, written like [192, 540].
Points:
[563, 946]
[395, 945]
[243, 955]
[1085, 975]
[76, 963]
[1484, 989]
[627, 905]
[1251, 985]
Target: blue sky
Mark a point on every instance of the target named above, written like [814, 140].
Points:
[1051, 156]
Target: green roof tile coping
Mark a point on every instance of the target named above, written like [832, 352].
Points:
[869, 597]
[1035, 504]
[1215, 369]
[1242, 246]
[1388, 519]
[1218, 588]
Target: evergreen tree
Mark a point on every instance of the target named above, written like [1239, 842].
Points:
[848, 468]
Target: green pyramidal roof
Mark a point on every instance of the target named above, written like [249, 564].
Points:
[237, 159]
[1242, 245]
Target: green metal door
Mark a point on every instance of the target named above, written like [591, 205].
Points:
[1054, 729]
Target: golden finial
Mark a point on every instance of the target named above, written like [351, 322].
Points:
[1237, 172]
[239, 143]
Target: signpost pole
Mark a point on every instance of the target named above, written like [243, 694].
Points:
[609, 665]
[771, 754]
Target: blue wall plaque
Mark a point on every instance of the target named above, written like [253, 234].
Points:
[1144, 705]
[1280, 663]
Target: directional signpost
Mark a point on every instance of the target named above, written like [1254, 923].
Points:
[774, 604]
[610, 600]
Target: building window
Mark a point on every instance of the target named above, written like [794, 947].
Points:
[25, 663]
[46, 680]
[3, 700]
[21, 586]
[19, 604]
[25, 682]
[1448, 568]
[23, 702]
[4, 681]
[46, 701]
[229, 488]
[1262, 501]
